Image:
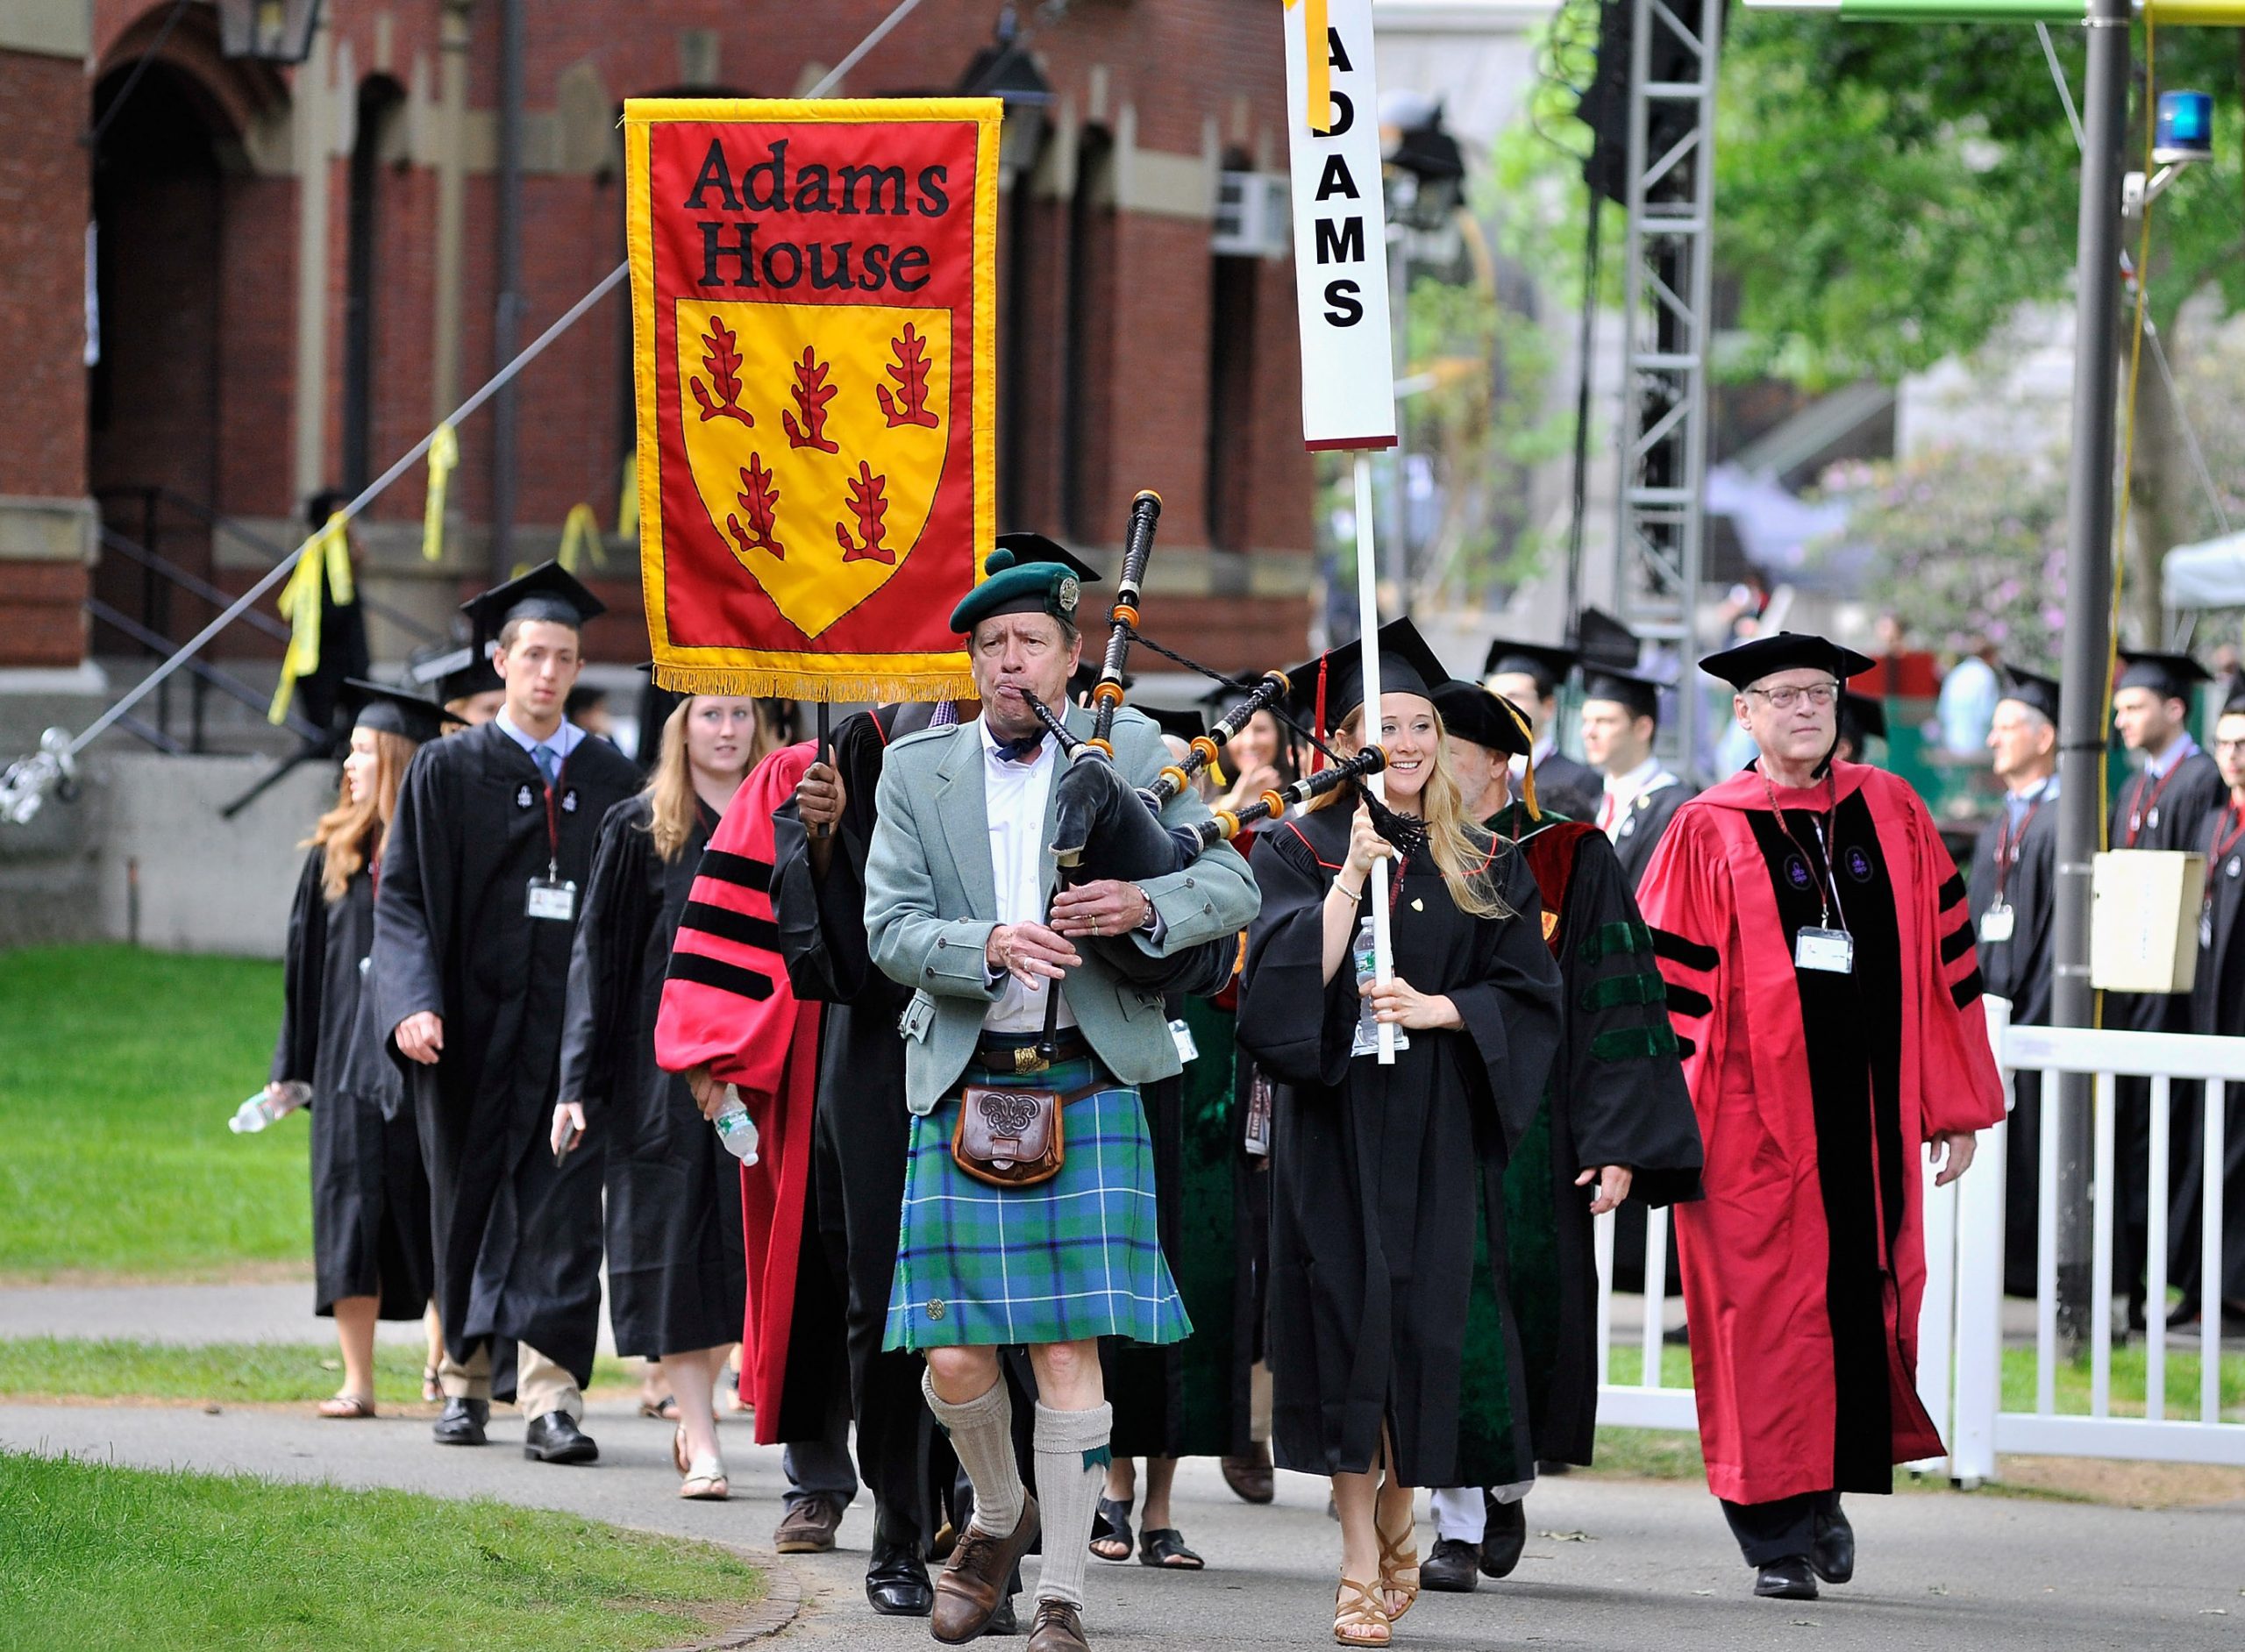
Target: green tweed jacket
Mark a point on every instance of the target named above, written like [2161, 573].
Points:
[931, 902]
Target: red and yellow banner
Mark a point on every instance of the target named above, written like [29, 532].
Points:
[814, 322]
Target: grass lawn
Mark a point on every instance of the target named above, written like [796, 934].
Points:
[234, 1373]
[118, 1068]
[2072, 1384]
[100, 1557]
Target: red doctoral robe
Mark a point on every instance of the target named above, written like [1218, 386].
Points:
[727, 1004]
[1803, 1266]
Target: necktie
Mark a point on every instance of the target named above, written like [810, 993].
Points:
[1605, 811]
[1021, 751]
[548, 765]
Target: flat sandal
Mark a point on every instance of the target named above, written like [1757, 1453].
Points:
[1367, 1610]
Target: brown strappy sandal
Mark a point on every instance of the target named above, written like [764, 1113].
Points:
[1363, 1621]
[1395, 1561]
[347, 1409]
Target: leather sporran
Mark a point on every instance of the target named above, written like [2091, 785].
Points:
[1008, 1137]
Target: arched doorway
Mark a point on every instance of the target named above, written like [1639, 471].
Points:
[153, 396]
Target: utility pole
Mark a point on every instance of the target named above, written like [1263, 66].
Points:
[507, 314]
[2088, 637]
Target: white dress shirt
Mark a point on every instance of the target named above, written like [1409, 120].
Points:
[1623, 791]
[1014, 796]
[561, 742]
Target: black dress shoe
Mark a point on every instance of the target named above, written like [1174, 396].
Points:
[556, 1438]
[1834, 1553]
[1504, 1534]
[1454, 1568]
[462, 1422]
[1786, 1579]
[896, 1582]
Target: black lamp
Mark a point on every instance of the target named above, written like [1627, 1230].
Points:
[272, 31]
[1006, 71]
[1426, 169]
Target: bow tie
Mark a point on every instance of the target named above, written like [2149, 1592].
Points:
[1021, 751]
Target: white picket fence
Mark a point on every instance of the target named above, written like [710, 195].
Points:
[1960, 1329]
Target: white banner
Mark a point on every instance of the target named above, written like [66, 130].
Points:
[1348, 376]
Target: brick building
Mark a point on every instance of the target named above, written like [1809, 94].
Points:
[294, 274]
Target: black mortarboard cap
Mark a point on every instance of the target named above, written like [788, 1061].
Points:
[1187, 726]
[1860, 716]
[1548, 664]
[1787, 650]
[1036, 547]
[457, 673]
[1471, 712]
[2031, 688]
[547, 592]
[2170, 676]
[1603, 640]
[1331, 686]
[397, 711]
[1640, 695]
[585, 695]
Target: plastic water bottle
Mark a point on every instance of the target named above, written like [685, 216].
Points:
[735, 1129]
[266, 1108]
[1366, 1043]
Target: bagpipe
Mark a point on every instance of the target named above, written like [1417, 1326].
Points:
[1105, 828]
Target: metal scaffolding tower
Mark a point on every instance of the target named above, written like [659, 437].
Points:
[1674, 47]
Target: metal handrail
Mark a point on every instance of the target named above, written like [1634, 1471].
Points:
[214, 518]
[154, 563]
[225, 683]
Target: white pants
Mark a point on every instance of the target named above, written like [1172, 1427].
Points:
[1458, 1513]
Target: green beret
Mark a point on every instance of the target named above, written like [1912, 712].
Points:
[1022, 581]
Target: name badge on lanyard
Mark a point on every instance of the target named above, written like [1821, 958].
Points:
[1996, 923]
[1832, 951]
[553, 898]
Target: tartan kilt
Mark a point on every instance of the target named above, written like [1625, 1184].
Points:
[1076, 1257]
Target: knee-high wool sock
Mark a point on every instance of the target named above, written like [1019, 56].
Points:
[1072, 1459]
[982, 1433]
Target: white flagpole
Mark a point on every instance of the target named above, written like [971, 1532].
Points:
[1383, 952]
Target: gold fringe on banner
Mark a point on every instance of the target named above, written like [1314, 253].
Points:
[443, 453]
[763, 683]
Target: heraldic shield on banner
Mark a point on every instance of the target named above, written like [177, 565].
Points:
[813, 296]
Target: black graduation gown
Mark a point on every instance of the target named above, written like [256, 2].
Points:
[1383, 1228]
[677, 1266]
[1641, 828]
[370, 1200]
[862, 1125]
[1616, 1096]
[2150, 814]
[2217, 1007]
[2019, 970]
[518, 1239]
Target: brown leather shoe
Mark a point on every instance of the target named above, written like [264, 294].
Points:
[808, 1527]
[1059, 1628]
[970, 1587]
[1250, 1476]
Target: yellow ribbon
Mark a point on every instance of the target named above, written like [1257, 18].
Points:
[580, 535]
[443, 453]
[1319, 57]
[627, 508]
[325, 567]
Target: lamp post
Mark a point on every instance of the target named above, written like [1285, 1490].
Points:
[1423, 177]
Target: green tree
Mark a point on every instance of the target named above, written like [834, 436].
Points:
[1887, 194]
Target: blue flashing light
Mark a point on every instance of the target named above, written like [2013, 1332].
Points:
[2186, 127]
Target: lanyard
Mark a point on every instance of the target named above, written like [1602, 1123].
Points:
[2223, 844]
[2009, 848]
[552, 821]
[1823, 845]
[2141, 808]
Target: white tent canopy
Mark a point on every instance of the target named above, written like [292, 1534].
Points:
[2211, 575]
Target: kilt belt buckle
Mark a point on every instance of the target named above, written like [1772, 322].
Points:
[1028, 1059]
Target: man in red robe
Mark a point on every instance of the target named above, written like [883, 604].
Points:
[1818, 948]
[730, 1017]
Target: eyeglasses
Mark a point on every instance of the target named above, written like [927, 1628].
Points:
[1817, 693]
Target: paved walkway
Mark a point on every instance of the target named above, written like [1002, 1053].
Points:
[1653, 1570]
[188, 1314]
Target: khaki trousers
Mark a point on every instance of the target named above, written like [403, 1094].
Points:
[540, 1385]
